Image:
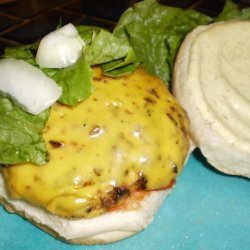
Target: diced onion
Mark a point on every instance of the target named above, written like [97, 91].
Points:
[60, 48]
[28, 85]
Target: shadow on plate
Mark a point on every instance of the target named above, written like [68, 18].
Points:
[199, 157]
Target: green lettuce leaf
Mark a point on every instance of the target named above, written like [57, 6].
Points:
[114, 54]
[155, 32]
[88, 33]
[25, 53]
[21, 134]
[121, 66]
[105, 48]
[75, 81]
[232, 11]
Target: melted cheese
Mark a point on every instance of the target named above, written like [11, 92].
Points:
[130, 134]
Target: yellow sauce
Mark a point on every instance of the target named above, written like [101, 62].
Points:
[129, 134]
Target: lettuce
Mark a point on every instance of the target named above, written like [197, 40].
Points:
[25, 53]
[21, 134]
[232, 11]
[115, 55]
[75, 82]
[155, 32]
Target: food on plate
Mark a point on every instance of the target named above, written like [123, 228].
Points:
[112, 160]
[96, 166]
[212, 83]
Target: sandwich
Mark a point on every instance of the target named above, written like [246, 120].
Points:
[90, 152]
[111, 159]
[211, 81]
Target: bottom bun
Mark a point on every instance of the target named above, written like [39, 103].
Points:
[110, 227]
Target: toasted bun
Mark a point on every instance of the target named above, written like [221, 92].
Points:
[110, 227]
[224, 142]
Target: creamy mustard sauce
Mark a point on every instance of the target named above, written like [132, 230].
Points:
[129, 134]
[219, 76]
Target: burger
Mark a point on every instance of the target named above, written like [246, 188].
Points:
[110, 160]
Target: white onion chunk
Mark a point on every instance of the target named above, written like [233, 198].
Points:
[28, 85]
[60, 48]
